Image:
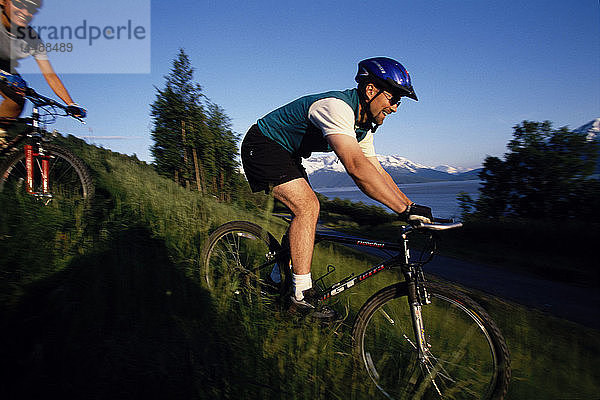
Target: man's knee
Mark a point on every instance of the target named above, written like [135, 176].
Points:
[11, 108]
[299, 198]
[306, 206]
[316, 205]
[311, 207]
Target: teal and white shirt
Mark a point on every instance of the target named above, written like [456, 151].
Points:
[302, 125]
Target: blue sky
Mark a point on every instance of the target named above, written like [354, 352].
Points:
[478, 67]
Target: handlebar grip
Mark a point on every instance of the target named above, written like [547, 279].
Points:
[442, 220]
[76, 111]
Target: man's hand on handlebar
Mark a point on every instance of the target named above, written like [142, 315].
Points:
[76, 111]
[416, 213]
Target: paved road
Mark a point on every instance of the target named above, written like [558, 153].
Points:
[566, 301]
[570, 302]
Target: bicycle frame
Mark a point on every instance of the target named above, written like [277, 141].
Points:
[412, 271]
[344, 284]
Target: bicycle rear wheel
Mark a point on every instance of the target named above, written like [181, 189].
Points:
[467, 357]
[238, 258]
[68, 177]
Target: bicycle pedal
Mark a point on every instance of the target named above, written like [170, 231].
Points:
[307, 310]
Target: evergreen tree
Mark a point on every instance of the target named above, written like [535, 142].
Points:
[193, 140]
[224, 145]
[177, 105]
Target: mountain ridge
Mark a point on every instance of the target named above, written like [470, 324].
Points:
[326, 171]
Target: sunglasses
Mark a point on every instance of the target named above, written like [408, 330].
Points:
[393, 99]
[25, 6]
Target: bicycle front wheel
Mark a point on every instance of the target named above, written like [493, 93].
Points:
[466, 356]
[68, 177]
[238, 258]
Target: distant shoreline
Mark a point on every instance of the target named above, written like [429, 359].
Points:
[441, 196]
[350, 188]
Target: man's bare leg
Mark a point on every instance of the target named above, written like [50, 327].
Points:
[8, 108]
[298, 196]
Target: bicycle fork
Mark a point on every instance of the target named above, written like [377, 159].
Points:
[44, 171]
[421, 344]
[431, 369]
[417, 296]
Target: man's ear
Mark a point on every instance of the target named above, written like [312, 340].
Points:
[370, 91]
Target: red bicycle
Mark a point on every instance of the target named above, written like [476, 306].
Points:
[41, 169]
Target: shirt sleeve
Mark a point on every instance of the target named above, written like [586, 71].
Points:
[333, 116]
[367, 146]
[34, 44]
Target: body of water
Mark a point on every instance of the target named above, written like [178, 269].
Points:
[440, 196]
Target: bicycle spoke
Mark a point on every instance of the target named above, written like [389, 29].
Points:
[235, 262]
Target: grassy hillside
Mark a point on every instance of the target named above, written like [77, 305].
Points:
[106, 303]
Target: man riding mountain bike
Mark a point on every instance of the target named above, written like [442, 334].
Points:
[18, 41]
[339, 121]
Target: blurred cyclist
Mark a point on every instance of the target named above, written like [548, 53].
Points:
[18, 41]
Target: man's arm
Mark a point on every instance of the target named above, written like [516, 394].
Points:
[367, 174]
[388, 179]
[54, 81]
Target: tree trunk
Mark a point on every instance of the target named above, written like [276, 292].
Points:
[185, 155]
[197, 167]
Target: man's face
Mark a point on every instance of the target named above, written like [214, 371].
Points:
[382, 105]
[19, 12]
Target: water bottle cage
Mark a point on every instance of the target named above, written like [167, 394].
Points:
[319, 283]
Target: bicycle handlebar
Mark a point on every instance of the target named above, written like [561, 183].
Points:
[442, 221]
[438, 224]
[41, 101]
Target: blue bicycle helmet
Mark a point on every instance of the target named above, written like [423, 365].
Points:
[386, 74]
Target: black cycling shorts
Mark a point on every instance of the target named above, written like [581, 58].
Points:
[266, 163]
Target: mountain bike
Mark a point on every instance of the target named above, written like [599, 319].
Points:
[41, 169]
[416, 339]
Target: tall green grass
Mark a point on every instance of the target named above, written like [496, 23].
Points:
[106, 303]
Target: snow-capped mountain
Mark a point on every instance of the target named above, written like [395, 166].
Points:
[592, 129]
[330, 162]
[324, 162]
[452, 170]
[325, 170]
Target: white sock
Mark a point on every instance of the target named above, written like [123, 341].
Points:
[301, 283]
